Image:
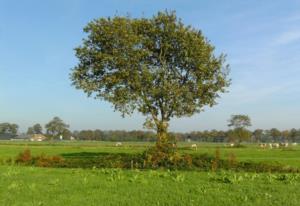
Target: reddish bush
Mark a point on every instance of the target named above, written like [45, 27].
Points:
[165, 156]
[48, 161]
[24, 157]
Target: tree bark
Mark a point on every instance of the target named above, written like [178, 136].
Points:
[162, 132]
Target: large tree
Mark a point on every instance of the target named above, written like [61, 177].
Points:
[30, 131]
[56, 127]
[38, 129]
[157, 66]
[8, 128]
[239, 123]
[35, 129]
[275, 134]
[294, 134]
[258, 135]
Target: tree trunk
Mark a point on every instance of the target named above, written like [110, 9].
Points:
[162, 132]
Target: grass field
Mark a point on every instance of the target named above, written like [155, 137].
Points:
[50, 186]
[252, 152]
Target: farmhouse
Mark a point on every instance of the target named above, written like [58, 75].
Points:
[37, 137]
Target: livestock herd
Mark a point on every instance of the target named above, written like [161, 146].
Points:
[276, 145]
[261, 145]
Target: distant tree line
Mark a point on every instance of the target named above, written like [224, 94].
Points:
[238, 132]
[115, 135]
[8, 128]
[258, 135]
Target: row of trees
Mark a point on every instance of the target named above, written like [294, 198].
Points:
[258, 135]
[55, 128]
[115, 135]
[238, 132]
[8, 128]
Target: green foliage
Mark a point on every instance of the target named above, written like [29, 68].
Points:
[38, 129]
[35, 129]
[51, 187]
[153, 158]
[275, 134]
[8, 128]
[56, 127]
[239, 121]
[258, 135]
[215, 162]
[238, 135]
[166, 156]
[238, 178]
[157, 66]
[30, 131]
[239, 124]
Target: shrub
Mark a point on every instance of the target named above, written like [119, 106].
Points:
[153, 158]
[165, 156]
[232, 160]
[215, 162]
[24, 157]
[48, 161]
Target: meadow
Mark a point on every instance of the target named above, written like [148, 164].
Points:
[251, 152]
[26, 185]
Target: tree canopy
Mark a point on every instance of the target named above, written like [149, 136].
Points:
[157, 66]
[239, 121]
[35, 129]
[8, 128]
[56, 127]
[239, 124]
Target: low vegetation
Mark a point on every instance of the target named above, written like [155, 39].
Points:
[153, 158]
[51, 187]
[100, 173]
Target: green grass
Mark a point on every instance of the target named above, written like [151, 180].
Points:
[22, 186]
[40, 186]
[251, 152]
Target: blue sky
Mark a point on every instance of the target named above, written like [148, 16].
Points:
[261, 39]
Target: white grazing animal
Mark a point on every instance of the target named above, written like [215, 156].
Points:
[194, 146]
[263, 145]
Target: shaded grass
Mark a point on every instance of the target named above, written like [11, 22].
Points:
[251, 152]
[199, 162]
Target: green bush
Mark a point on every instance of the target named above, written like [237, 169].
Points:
[165, 156]
[154, 158]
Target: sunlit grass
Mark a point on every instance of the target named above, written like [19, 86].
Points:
[251, 152]
[40, 186]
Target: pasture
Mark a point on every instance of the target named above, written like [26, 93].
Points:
[251, 152]
[24, 185]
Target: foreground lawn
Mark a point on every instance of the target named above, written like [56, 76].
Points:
[40, 186]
